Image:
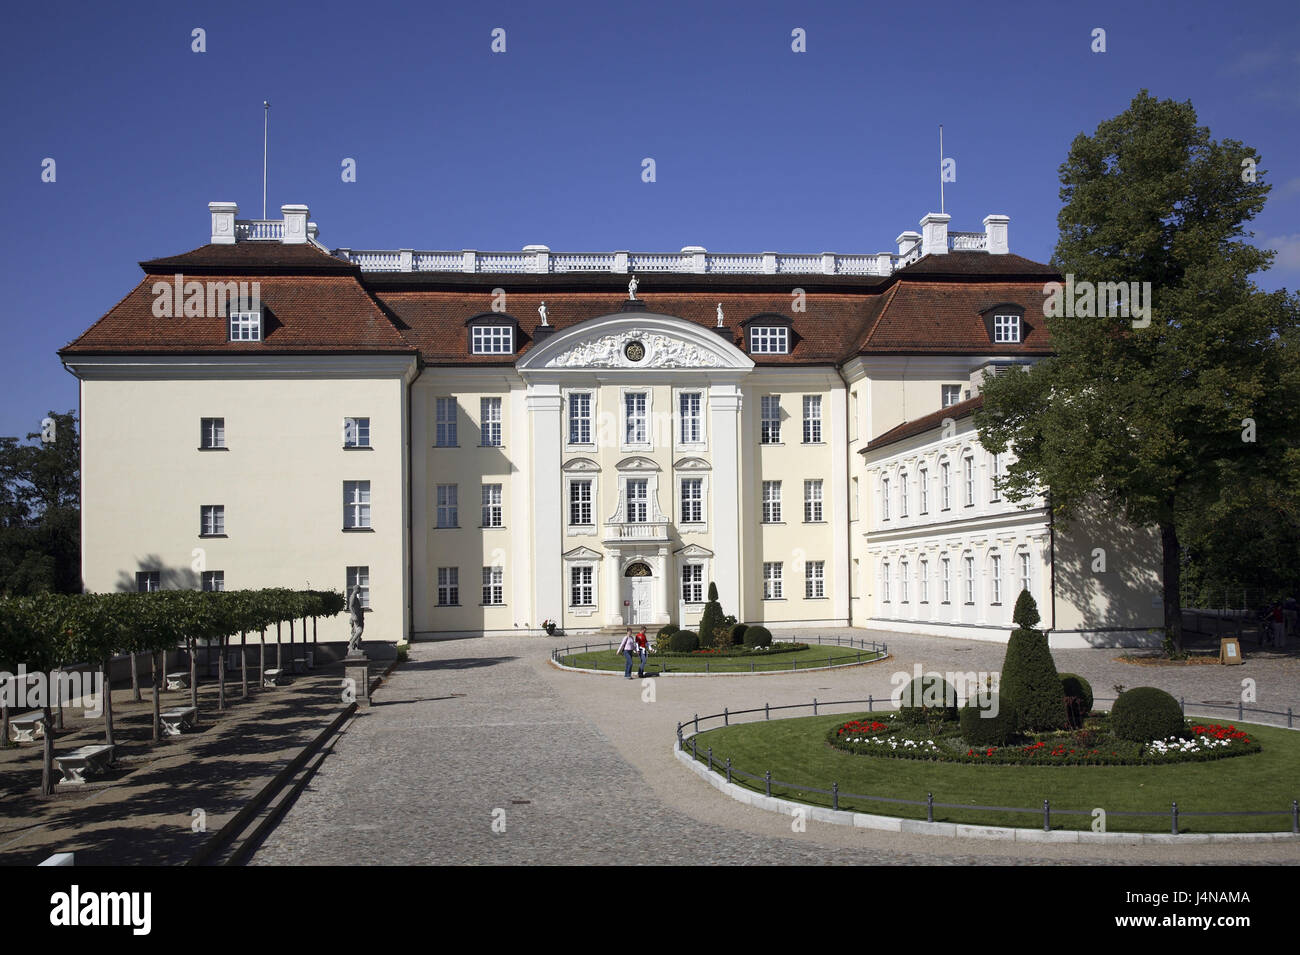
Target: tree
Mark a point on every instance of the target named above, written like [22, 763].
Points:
[711, 619]
[1153, 413]
[1029, 678]
[40, 516]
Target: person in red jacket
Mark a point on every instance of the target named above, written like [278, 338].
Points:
[642, 649]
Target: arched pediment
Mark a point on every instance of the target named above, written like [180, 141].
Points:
[583, 553]
[692, 464]
[636, 341]
[637, 462]
[694, 551]
[580, 464]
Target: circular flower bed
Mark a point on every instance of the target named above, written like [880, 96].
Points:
[1092, 745]
[740, 651]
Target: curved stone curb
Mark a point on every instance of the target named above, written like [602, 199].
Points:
[657, 676]
[862, 820]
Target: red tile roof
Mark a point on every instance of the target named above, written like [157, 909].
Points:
[925, 423]
[946, 318]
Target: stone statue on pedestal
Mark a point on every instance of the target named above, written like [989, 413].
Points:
[357, 613]
[631, 289]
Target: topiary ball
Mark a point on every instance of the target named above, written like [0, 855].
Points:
[668, 629]
[738, 634]
[1145, 713]
[757, 637]
[996, 725]
[1078, 698]
[684, 641]
[927, 692]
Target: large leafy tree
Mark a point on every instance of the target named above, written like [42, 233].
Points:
[40, 517]
[1156, 415]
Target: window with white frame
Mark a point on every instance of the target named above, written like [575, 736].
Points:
[945, 567]
[968, 471]
[448, 510]
[214, 581]
[245, 326]
[359, 578]
[902, 581]
[493, 586]
[1006, 328]
[492, 340]
[970, 579]
[582, 590]
[693, 583]
[769, 340]
[148, 581]
[356, 432]
[995, 579]
[212, 433]
[446, 423]
[492, 505]
[812, 501]
[951, 395]
[689, 412]
[448, 586]
[638, 500]
[812, 419]
[772, 584]
[490, 421]
[902, 493]
[884, 498]
[771, 502]
[580, 417]
[634, 421]
[924, 581]
[923, 488]
[1024, 571]
[580, 503]
[212, 520]
[814, 580]
[884, 582]
[945, 486]
[356, 504]
[692, 500]
[770, 419]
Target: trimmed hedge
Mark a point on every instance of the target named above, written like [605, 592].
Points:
[928, 691]
[1078, 698]
[758, 637]
[736, 634]
[1029, 675]
[996, 729]
[668, 629]
[1146, 713]
[684, 641]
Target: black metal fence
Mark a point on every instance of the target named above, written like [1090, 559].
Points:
[1046, 811]
[867, 651]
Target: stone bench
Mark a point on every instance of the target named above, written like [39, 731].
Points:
[178, 681]
[272, 678]
[27, 728]
[83, 762]
[176, 721]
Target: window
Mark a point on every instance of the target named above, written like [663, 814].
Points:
[490, 421]
[214, 581]
[814, 581]
[493, 586]
[446, 417]
[812, 502]
[769, 340]
[492, 505]
[951, 395]
[902, 581]
[245, 326]
[770, 412]
[212, 433]
[884, 499]
[356, 504]
[356, 432]
[581, 589]
[968, 472]
[772, 589]
[924, 581]
[1006, 328]
[492, 340]
[902, 494]
[995, 584]
[1024, 572]
[812, 419]
[923, 486]
[995, 470]
[212, 520]
[970, 580]
[448, 586]
[580, 418]
[448, 513]
[580, 503]
[946, 567]
[689, 406]
[634, 418]
[693, 583]
[771, 502]
[359, 577]
[147, 581]
[945, 486]
[638, 501]
[884, 582]
[692, 500]
[854, 501]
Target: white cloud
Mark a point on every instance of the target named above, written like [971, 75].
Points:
[1287, 248]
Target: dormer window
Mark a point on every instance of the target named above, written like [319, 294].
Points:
[1006, 328]
[1005, 323]
[492, 340]
[245, 326]
[769, 340]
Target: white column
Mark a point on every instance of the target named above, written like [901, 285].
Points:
[543, 405]
[835, 503]
[520, 513]
[661, 614]
[613, 590]
[421, 520]
[724, 427]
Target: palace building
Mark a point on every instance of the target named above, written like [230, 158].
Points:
[486, 441]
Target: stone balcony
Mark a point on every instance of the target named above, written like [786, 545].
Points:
[651, 532]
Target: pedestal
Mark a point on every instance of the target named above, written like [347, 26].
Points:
[356, 671]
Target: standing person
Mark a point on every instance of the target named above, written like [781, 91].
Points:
[627, 648]
[642, 649]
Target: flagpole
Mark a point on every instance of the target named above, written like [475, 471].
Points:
[266, 121]
[940, 169]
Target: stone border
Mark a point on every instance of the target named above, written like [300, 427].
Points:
[785, 672]
[862, 820]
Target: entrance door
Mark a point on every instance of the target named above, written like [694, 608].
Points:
[640, 601]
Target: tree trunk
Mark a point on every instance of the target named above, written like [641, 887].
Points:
[108, 701]
[135, 681]
[221, 675]
[261, 660]
[243, 664]
[313, 631]
[4, 724]
[56, 688]
[291, 657]
[158, 666]
[1172, 583]
[194, 672]
[279, 656]
[47, 763]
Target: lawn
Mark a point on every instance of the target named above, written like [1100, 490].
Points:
[814, 656]
[795, 750]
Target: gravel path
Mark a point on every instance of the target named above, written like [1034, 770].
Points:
[578, 769]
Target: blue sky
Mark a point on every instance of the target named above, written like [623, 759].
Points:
[756, 147]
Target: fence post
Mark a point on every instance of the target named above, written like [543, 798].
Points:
[728, 769]
[726, 717]
[695, 750]
[1173, 817]
[751, 666]
[1295, 816]
[706, 666]
[1288, 718]
[1182, 705]
[814, 706]
[828, 661]
[697, 722]
[1047, 816]
[710, 759]
[679, 735]
[767, 712]
[929, 807]
[835, 796]
[794, 664]
[1240, 710]
[870, 704]
[768, 777]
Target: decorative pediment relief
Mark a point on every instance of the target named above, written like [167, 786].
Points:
[635, 349]
[581, 464]
[638, 463]
[694, 551]
[583, 553]
[692, 464]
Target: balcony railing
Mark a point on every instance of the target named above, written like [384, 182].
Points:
[637, 530]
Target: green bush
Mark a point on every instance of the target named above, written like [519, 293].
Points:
[711, 619]
[1029, 674]
[684, 641]
[663, 636]
[1026, 613]
[1145, 713]
[997, 727]
[929, 691]
[1078, 698]
[736, 634]
[757, 637]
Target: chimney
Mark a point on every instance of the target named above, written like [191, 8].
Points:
[934, 233]
[995, 234]
[223, 222]
[906, 240]
[295, 224]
